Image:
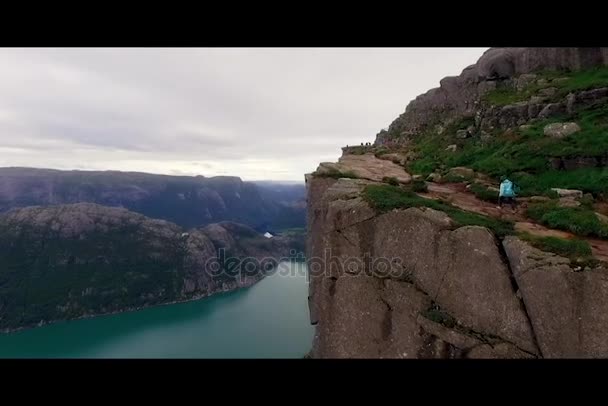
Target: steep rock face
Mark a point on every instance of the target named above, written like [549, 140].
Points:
[409, 284]
[70, 261]
[459, 96]
[568, 310]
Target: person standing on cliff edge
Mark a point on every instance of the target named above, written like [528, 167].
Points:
[507, 193]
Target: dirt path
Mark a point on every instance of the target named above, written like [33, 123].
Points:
[457, 195]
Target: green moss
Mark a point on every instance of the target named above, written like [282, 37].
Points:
[504, 95]
[584, 80]
[589, 180]
[570, 248]
[578, 220]
[423, 166]
[385, 198]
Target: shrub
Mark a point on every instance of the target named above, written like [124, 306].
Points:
[578, 220]
[390, 180]
[419, 186]
[570, 248]
[483, 193]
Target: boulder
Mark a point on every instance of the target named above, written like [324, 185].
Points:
[366, 166]
[462, 171]
[452, 148]
[462, 134]
[568, 310]
[572, 193]
[602, 218]
[396, 157]
[568, 202]
[570, 103]
[552, 109]
[434, 177]
[525, 80]
[534, 109]
[536, 100]
[561, 130]
[548, 91]
[586, 98]
[525, 127]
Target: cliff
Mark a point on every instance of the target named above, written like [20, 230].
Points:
[72, 261]
[462, 96]
[401, 267]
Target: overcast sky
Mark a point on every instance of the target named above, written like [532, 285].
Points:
[258, 113]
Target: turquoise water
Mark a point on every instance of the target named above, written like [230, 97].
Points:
[267, 320]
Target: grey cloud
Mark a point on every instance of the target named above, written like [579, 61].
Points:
[247, 112]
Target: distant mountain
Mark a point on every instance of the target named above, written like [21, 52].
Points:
[70, 261]
[189, 201]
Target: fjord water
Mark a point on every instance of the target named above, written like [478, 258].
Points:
[267, 320]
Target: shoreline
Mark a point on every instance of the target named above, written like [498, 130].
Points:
[247, 283]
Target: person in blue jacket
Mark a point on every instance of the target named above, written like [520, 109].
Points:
[507, 193]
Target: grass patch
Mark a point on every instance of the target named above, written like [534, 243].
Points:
[504, 95]
[526, 155]
[483, 193]
[589, 180]
[578, 220]
[385, 198]
[577, 81]
[573, 248]
[424, 166]
[584, 80]
[419, 186]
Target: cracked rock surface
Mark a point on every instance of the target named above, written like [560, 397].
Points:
[409, 284]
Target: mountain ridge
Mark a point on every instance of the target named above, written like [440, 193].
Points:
[186, 200]
[64, 262]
